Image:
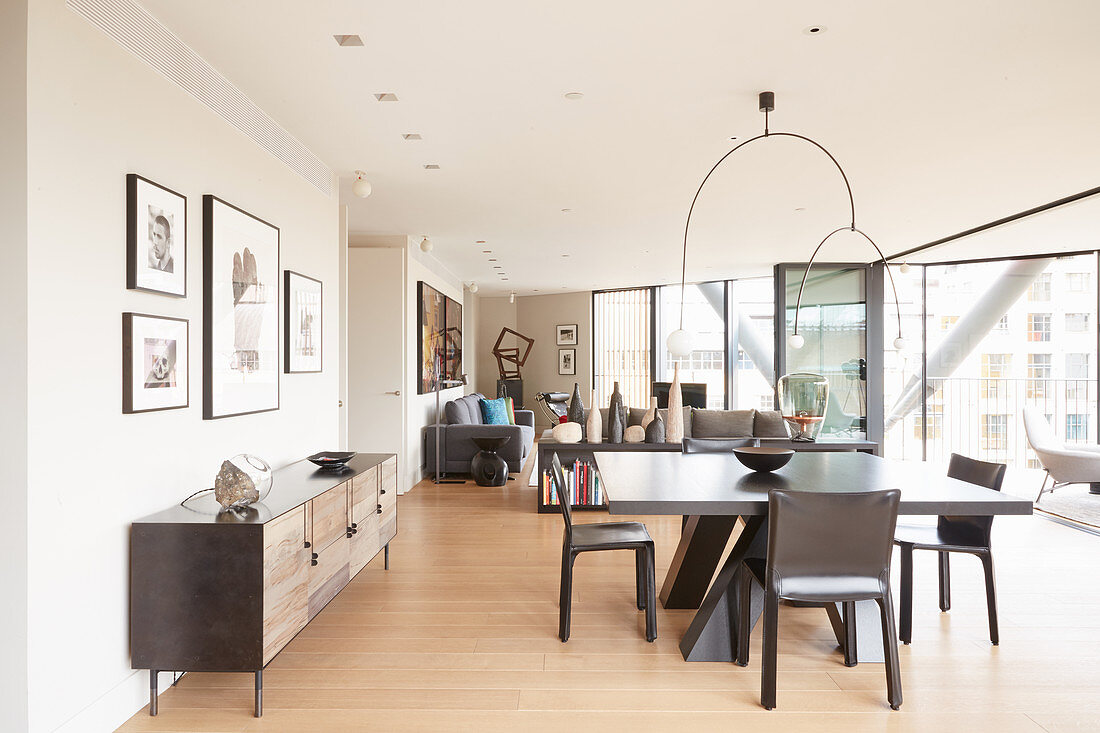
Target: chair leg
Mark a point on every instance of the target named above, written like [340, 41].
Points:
[650, 595]
[769, 661]
[991, 597]
[565, 602]
[743, 617]
[850, 654]
[1042, 488]
[906, 594]
[945, 581]
[890, 647]
[639, 577]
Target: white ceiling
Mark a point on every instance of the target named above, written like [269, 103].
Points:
[944, 114]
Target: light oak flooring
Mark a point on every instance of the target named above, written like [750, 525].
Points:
[460, 635]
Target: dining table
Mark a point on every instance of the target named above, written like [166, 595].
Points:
[716, 494]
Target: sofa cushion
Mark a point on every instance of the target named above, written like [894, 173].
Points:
[464, 411]
[495, 412]
[722, 423]
[769, 424]
[663, 412]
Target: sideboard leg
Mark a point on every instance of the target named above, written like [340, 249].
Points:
[259, 692]
[152, 692]
[387, 557]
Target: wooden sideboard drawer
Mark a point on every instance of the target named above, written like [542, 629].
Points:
[286, 580]
[364, 542]
[364, 496]
[330, 517]
[329, 576]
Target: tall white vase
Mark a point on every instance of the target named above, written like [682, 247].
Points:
[595, 422]
[674, 428]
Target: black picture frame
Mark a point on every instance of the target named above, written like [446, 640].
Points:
[130, 405]
[567, 362]
[562, 334]
[213, 306]
[145, 278]
[289, 318]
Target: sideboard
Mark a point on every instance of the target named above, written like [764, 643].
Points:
[222, 591]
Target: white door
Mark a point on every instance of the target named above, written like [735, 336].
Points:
[376, 349]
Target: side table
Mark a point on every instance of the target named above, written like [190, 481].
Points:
[487, 468]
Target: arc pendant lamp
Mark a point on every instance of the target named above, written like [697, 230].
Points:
[679, 341]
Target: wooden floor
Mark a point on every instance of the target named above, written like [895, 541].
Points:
[460, 635]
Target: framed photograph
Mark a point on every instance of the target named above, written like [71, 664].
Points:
[567, 335]
[240, 305]
[301, 323]
[452, 339]
[431, 322]
[567, 361]
[154, 363]
[156, 238]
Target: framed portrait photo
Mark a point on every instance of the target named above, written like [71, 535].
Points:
[156, 238]
[301, 323]
[567, 361]
[240, 302]
[154, 363]
[567, 335]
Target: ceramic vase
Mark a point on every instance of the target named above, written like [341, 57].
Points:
[674, 429]
[655, 430]
[616, 417]
[576, 407]
[595, 422]
[651, 413]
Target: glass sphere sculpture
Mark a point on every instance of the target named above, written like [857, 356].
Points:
[242, 480]
[803, 398]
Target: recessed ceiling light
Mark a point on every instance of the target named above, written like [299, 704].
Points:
[497, 267]
[574, 96]
[412, 136]
[814, 30]
[386, 97]
[565, 255]
[536, 290]
[492, 259]
[800, 208]
[351, 40]
[431, 167]
[479, 241]
[567, 211]
[486, 251]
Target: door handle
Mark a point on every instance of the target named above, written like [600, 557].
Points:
[395, 392]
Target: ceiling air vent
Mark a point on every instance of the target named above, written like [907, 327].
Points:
[348, 40]
[386, 97]
[431, 167]
[412, 136]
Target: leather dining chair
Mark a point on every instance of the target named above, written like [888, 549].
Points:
[604, 536]
[823, 548]
[952, 534]
[714, 445]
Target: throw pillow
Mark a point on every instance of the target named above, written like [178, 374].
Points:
[721, 423]
[769, 424]
[494, 412]
[511, 410]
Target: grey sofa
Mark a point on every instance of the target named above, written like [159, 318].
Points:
[462, 423]
[715, 423]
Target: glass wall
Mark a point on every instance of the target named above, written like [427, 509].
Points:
[705, 318]
[621, 346]
[1000, 335]
[752, 332]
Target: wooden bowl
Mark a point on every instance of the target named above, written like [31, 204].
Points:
[764, 458]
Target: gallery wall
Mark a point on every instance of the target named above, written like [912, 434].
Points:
[13, 367]
[96, 113]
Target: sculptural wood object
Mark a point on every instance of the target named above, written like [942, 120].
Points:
[510, 355]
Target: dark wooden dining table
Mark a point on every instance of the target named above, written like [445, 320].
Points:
[716, 493]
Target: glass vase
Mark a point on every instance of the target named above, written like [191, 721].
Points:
[803, 398]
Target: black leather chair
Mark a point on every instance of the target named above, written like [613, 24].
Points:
[605, 536]
[952, 534]
[823, 548]
[714, 445]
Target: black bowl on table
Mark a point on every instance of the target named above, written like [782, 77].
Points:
[763, 458]
[332, 460]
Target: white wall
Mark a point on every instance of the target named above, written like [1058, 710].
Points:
[13, 367]
[95, 113]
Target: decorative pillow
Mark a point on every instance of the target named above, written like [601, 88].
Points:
[769, 424]
[495, 412]
[511, 410]
[721, 423]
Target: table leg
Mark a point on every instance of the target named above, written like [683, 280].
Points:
[702, 542]
[868, 630]
[712, 635]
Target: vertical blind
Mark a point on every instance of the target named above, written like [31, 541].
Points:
[622, 347]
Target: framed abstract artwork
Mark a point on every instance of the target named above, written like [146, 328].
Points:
[154, 363]
[301, 323]
[156, 238]
[431, 321]
[567, 361]
[240, 311]
[452, 340]
[567, 334]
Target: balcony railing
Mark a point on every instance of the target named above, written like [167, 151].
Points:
[983, 418]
